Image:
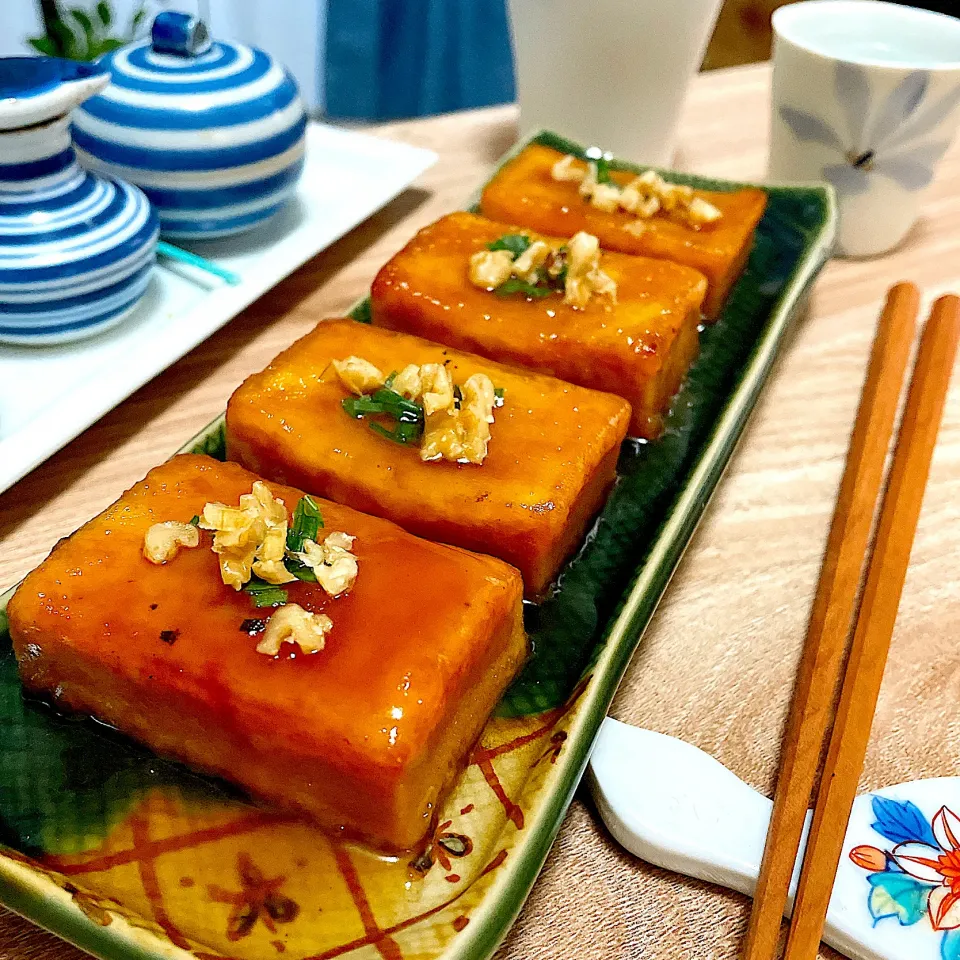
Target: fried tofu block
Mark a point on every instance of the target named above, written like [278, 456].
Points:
[550, 462]
[524, 192]
[363, 735]
[639, 348]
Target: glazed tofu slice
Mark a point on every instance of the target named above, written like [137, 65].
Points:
[526, 192]
[551, 456]
[639, 346]
[362, 735]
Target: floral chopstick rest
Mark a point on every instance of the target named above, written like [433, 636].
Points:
[897, 892]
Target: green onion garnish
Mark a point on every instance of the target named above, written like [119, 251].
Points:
[603, 170]
[265, 594]
[516, 243]
[403, 432]
[363, 406]
[299, 569]
[513, 285]
[194, 521]
[405, 415]
[498, 392]
[307, 522]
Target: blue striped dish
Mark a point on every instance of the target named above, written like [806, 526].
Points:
[215, 140]
[76, 250]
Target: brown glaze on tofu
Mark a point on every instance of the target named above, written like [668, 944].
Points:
[524, 192]
[639, 348]
[363, 735]
[551, 458]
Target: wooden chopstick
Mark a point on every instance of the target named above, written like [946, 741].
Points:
[875, 621]
[832, 614]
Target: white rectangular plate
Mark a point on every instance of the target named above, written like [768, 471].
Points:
[48, 395]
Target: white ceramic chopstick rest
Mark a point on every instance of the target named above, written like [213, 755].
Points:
[896, 896]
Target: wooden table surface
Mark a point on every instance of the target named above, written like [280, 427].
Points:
[717, 663]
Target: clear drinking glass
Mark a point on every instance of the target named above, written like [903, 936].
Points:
[612, 73]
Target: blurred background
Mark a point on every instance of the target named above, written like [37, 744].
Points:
[360, 60]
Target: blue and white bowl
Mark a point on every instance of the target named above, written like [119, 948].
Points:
[212, 133]
[76, 250]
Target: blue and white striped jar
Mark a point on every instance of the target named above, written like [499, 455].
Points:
[76, 250]
[212, 133]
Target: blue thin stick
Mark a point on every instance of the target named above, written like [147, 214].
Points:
[201, 263]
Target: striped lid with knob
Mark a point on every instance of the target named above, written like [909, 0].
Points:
[212, 132]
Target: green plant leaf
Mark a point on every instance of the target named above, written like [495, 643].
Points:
[104, 13]
[139, 15]
[66, 40]
[43, 45]
[89, 51]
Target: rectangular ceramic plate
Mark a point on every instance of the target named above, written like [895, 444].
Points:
[129, 856]
[48, 395]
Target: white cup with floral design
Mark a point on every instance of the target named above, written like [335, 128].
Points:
[866, 95]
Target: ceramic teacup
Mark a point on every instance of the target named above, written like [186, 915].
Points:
[865, 96]
[609, 72]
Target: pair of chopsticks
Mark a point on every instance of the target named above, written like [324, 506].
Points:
[839, 607]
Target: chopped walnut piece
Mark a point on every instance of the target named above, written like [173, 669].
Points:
[450, 432]
[527, 266]
[490, 268]
[437, 388]
[645, 196]
[566, 170]
[292, 624]
[442, 436]
[334, 566]
[268, 563]
[162, 542]
[250, 538]
[408, 382]
[358, 375]
[584, 276]
[701, 211]
[603, 196]
[636, 198]
[476, 415]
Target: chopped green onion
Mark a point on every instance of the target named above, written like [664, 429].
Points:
[498, 392]
[397, 406]
[307, 521]
[265, 594]
[364, 406]
[513, 285]
[300, 570]
[406, 415]
[403, 432]
[603, 170]
[388, 383]
[195, 520]
[516, 243]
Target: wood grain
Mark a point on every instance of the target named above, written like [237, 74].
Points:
[886, 573]
[831, 618]
[717, 665]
